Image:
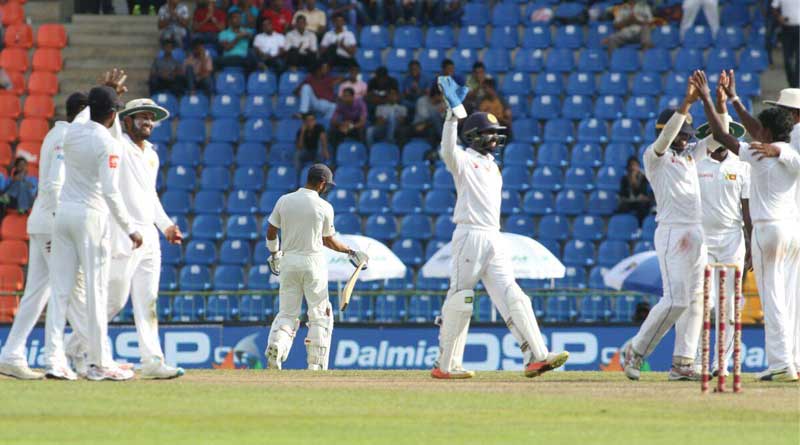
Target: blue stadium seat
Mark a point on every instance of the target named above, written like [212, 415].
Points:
[373, 201]
[574, 278]
[228, 277]
[560, 308]
[464, 59]
[343, 201]
[721, 59]
[676, 83]
[188, 308]
[538, 203]
[510, 202]
[595, 308]
[289, 105]
[352, 154]
[688, 59]
[625, 60]
[552, 155]
[586, 155]
[657, 60]
[360, 307]
[409, 251]
[579, 178]
[398, 58]
[215, 178]
[348, 223]
[257, 129]
[549, 83]
[433, 247]
[262, 83]
[517, 103]
[647, 84]
[608, 178]
[443, 227]
[406, 201]
[612, 252]
[382, 178]
[416, 226]
[579, 254]
[241, 227]
[368, 59]
[665, 36]
[374, 37]
[544, 107]
[282, 178]
[577, 107]
[643, 246]
[438, 202]
[218, 154]
[349, 178]
[225, 130]
[626, 130]
[569, 36]
[268, 199]
[516, 178]
[443, 180]
[734, 15]
[730, 37]
[252, 307]
[209, 202]
[588, 228]
[414, 152]
[241, 202]
[536, 37]
[597, 33]
[698, 37]
[503, 37]
[191, 130]
[505, 14]
[592, 131]
[384, 154]
[193, 106]
[547, 179]
[623, 227]
[593, 61]
[168, 101]
[391, 308]
[554, 227]
[516, 83]
[248, 178]
[625, 307]
[753, 60]
[525, 130]
[171, 254]
[518, 154]
[529, 60]
[177, 201]
[569, 11]
[423, 308]
[560, 60]
[181, 178]
[289, 82]
[229, 82]
[162, 132]
[641, 107]
[186, 154]
[558, 131]
[201, 252]
[253, 154]
[407, 37]
[497, 61]
[225, 106]
[207, 227]
[596, 280]
[439, 37]
[520, 224]
[430, 59]
[428, 284]
[415, 177]
[381, 227]
[168, 279]
[475, 14]
[617, 154]
[581, 83]
[222, 308]
[613, 83]
[747, 84]
[602, 202]
[570, 202]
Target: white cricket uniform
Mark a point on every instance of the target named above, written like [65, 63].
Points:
[40, 228]
[690, 10]
[679, 242]
[81, 237]
[775, 248]
[480, 253]
[723, 186]
[303, 218]
[794, 141]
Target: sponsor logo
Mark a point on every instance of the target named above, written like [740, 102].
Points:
[113, 160]
[730, 176]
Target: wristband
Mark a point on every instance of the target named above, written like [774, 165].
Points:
[273, 245]
[734, 99]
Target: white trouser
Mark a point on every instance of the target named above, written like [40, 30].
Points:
[80, 240]
[483, 255]
[690, 10]
[682, 258]
[775, 248]
[725, 248]
[37, 293]
[303, 275]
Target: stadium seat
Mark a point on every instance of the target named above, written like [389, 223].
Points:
[351, 154]
[549, 83]
[350, 178]
[373, 201]
[464, 59]
[384, 154]
[676, 84]
[221, 307]
[505, 14]
[17, 83]
[257, 106]
[414, 152]
[217, 154]
[193, 106]
[13, 252]
[390, 308]
[516, 83]
[516, 178]
[623, 227]
[579, 254]
[597, 33]
[348, 223]
[560, 60]
[423, 308]
[560, 308]
[641, 107]
[398, 58]
[595, 308]
[433, 247]
[552, 155]
[19, 35]
[201, 252]
[624, 60]
[443, 228]
[613, 83]
[529, 60]
[753, 60]
[748, 84]
[289, 82]
[625, 307]
[374, 37]
[593, 61]
[510, 203]
[617, 154]
[177, 201]
[430, 59]
[698, 37]
[407, 37]
[608, 178]
[643, 246]
[251, 178]
[497, 60]
[181, 178]
[343, 201]
[665, 36]
[647, 84]
[186, 154]
[439, 37]
[612, 252]
[586, 155]
[570, 202]
[191, 130]
[439, 202]
[536, 37]
[518, 154]
[230, 82]
[415, 177]
[168, 101]
[257, 129]
[409, 251]
[279, 154]
[577, 107]
[9, 107]
[225, 106]
[569, 11]
[544, 107]
[574, 278]
[719, 60]
[730, 37]
[169, 278]
[51, 35]
[649, 228]
[381, 227]
[208, 202]
[547, 179]
[254, 308]
[207, 227]
[242, 227]
[657, 60]
[382, 178]
[262, 83]
[5, 156]
[225, 130]
[558, 131]
[580, 83]
[406, 201]
[553, 227]
[588, 228]
[592, 131]
[214, 178]
[33, 130]
[228, 277]
[569, 36]
[538, 203]
[688, 59]
[415, 226]
[14, 59]
[626, 130]
[241, 202]
[289, 105]
[443, 180]
[503, 37]
[520, 224]
[525, 130]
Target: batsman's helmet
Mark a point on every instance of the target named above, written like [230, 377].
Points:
[480, 129]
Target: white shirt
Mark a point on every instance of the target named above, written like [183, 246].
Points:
[270, 44]
[91, 166]
[304, 218]
[138, 173]
[51, 179]
[673, 177]
[479, 184]
[774, 184]
[794, 140]
[723, 186]
[305, 42]
[789, 9]
[346, 37]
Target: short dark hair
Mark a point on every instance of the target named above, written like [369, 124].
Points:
[447, 62]
[307, 115]
[632, 159]
[76, 102]
[412, 63]
[477, 65]
[489, 82]
[349, 90]
[381, 71]
[337, 16]
[778, 121]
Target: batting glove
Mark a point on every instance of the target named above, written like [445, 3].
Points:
[454, 95]
[356, 257]
[274, 263]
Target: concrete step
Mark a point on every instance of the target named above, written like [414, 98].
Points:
[87, 76]
[120, 20]
[43, 11]
[122, 41]
[101, 64]
[79, 53]
[101, 30]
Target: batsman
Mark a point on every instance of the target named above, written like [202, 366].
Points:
[479, 252]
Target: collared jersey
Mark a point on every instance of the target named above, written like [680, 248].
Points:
[673, 177]
[479, 184]
[774, 183]
[723, 185]
[304, 218]
[51, 179]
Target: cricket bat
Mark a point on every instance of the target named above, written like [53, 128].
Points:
[344, 299]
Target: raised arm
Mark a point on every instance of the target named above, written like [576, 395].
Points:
[674, 124]
[751, 124]
[454, 95]
[718, 128]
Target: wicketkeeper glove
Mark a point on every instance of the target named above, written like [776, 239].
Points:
[274, 263]
[454, 95]
[357, 257]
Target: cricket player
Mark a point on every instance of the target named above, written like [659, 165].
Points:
[305, 220]
[671, 167]
[81, 234]
[479, 250]
[775, 170]
[13, 362]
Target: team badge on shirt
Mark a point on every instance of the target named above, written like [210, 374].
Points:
[113, 160]
[730, 176]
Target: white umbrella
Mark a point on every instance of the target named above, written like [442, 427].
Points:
[639, 272]
[531, 260]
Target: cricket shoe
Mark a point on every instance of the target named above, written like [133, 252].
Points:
[553, 361]
[21, 372]
[778, 375]
[273, 361]
[682, 373]
[79, 364]
[115, 373]
[632, 362]
[60, 372]
[157, 369]
[456, 374]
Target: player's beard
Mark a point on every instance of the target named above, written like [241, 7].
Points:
[140, 130]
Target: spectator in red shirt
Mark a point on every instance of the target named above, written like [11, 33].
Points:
[207, 21]
[317, 92]
[280, 17]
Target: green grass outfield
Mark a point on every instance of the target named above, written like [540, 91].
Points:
[405, 407]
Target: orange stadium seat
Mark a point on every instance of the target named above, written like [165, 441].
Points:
[13, 13]
[43, 82]
[33, 130]
[30, 151]
[11, 280]
[8, 130]
[47, 59]
[9, 107]
[13, 252]
[19, 36]
[5, 155]
[17, 82]
[33, 170]
[14, 227]
[39, 106]
[51, 35]
[14, 59]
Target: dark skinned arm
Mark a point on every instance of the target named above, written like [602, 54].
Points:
[751, 124]
[748, 229]
[720, 133]
[334, 244]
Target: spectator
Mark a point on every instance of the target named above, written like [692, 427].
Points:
[316, 92]
[316, 21]
[19, 194]
[429, 117]
[349, 120]
[199, 69]
[351, 10]
[635, 194]
[787, 13]
[5, 81]
[250, 13]
[475, 83]
[408, 11]
[390, 122]
[235, 42]
[166, 73]
[280, 17]
[301, 45]
[270, 48]
[632, 24]
[173, 21]
[354, 81]
[338, 46]
[448, 69]
[445, 12]
[690, 10]
[208, 22]
[491, 103]
[379, 86]
[414, 85]
[378, 11]
[311, 143]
